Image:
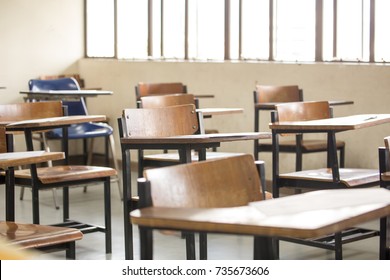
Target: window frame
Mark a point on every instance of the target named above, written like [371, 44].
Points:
[318, 44]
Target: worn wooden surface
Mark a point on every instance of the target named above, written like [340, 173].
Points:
[306, 215]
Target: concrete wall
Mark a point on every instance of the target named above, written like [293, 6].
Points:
[47, 37]
[44, 37]
[38, 38]
[233, 83]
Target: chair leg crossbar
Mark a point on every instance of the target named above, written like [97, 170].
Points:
[330, 242]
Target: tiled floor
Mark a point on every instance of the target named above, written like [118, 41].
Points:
[89, 207]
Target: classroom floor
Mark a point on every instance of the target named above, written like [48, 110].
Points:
[89, 207]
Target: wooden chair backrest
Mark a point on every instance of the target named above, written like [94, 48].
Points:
[276, 94]
[227, 182]
[160, 122]
[303, 111]
[28, 111]
[146, 89]
[387, 143]
[158, 101]
[3, 140]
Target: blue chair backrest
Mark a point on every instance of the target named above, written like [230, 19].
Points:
[74, 107]
[56, 84]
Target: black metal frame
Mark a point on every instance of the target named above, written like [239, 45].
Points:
[384, 166]
[184, 150]
[68, 247]
[142, 163]
[35, 185]
[331, 242]
[9, 180]
[263, 246]
[298, 150]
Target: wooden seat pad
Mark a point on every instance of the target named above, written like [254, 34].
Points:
[292, 216]
[174, 157]
[31, 236]
[57, 174]
[350, 177]
[385, 176]
[307, 144]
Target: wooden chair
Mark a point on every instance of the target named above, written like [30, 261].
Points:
[322, 178]
[30, 236]
[41, 178]
[158, 124]
[157, 89]
[267, 94]
[166, 159]
[33, 237]
[155, 122]
[84, 131]
[147, 89]
[384, 170]
[167, 100]
[228, 182]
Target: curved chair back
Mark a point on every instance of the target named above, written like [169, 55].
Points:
[227, 182]
[56, 84]
[270, 93]
[76, 107]
[158, 101]
[160, 122]
[147, 89]
[303, 111]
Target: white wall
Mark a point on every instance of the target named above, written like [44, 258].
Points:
[46, 37]
[233, 83]
[39, 37]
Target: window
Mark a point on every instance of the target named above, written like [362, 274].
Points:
[173, 28]
[234, 27]
[100, 28]
[294, 30]
[382, 38]
[206, 20]
[255, 29]
[281, 30]
[132, 26]
[348, 39]
[352, 30]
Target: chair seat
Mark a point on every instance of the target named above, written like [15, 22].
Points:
[67, 173]
[350, 177]
[31, 236]
[174, 157]
[81, 131]
[307, 146]
[386, 176]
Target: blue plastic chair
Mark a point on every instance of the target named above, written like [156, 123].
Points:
[83, 131]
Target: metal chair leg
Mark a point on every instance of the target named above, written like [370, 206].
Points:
[50, 164]
[113, 154]
[90, 156]
[114, 159]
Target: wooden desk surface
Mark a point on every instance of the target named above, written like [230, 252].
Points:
[305, 215]
[334, 124]
[219, 111]
[271, 105]
[35, 236]
[25, 158]
[59, 94]
[53, 122]
[350, 177]
[197, 138]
